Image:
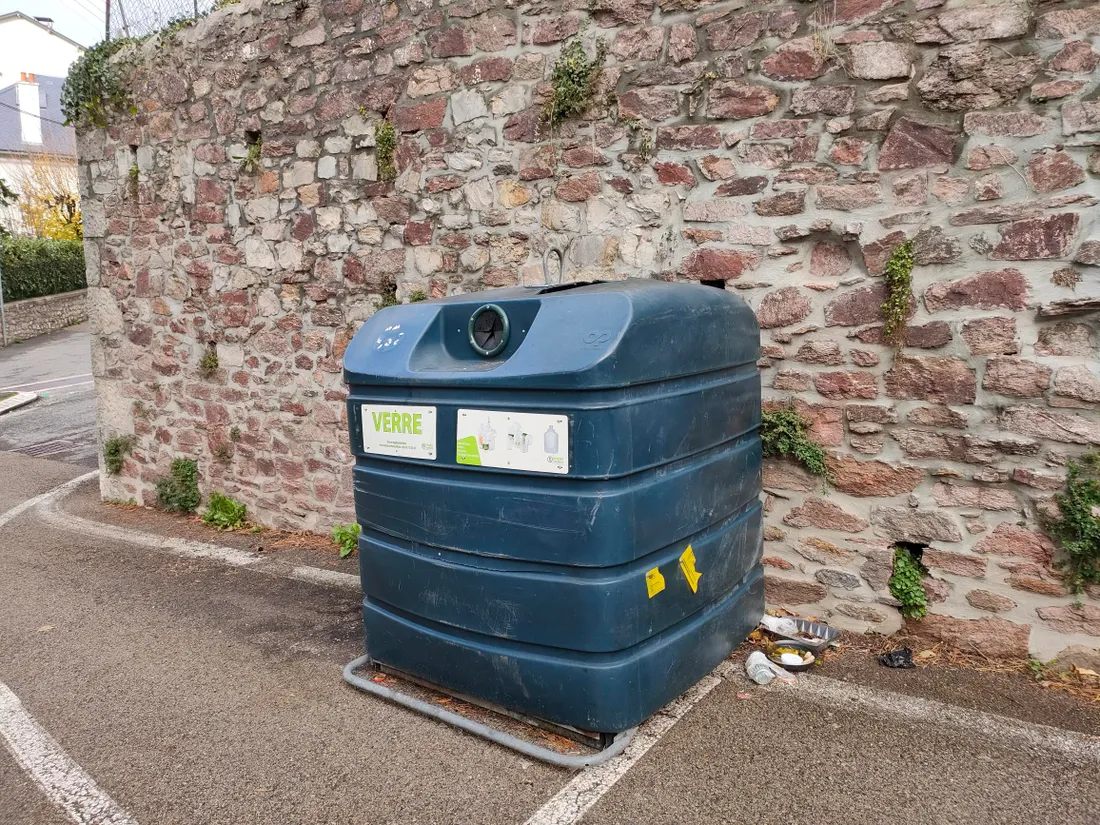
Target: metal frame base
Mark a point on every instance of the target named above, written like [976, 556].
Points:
[617, 746]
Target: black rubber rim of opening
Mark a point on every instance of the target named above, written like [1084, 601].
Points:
[488, 330]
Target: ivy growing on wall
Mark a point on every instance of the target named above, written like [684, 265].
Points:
[385, 137]
[899, 284]
[95, 86]
[1077, 527]
[115, 450]
[573, 81]
[907, 584]
[785, 434]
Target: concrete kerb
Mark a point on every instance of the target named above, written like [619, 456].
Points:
[48, 508]
[20, 399]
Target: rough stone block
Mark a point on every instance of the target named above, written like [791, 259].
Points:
[911, 144]
[730, 99]
[873, 478]
[824, 515]
[1037, 238]
[914, 525]
[783, 307]
[879, 60]
[991, 336]
[1020, 542]
[718, 264]
[931, 378]
[783, 592]
[1006, 288]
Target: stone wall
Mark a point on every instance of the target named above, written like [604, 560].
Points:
[37, 316]
[780, 150]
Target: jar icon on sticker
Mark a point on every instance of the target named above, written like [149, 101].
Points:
[550, 440]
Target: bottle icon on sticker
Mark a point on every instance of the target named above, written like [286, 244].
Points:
[550, 440]
[486, 436]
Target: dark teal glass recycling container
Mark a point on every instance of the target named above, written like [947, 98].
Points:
[558, 490]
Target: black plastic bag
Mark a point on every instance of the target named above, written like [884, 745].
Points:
[900, 658]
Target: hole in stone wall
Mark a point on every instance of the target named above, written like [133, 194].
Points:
[716, 283]
[916, 549]
[252, 137]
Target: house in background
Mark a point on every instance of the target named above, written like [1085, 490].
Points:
[30, 44]
[34, 60]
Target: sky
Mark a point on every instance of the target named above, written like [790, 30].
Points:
[80, 20]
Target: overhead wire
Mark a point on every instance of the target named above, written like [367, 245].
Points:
[82, 7]
[32, 114]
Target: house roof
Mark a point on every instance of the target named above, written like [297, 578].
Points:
[18, 14]
[56, 139]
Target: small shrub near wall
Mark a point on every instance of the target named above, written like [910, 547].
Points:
[34, 267]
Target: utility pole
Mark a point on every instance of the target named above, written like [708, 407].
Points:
[3, 317]
[107, 31]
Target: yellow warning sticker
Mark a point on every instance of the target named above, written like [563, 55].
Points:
[687, 565]
[654, 582]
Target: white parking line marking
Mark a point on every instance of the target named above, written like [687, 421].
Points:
[56, 492]
[57, 381]
[1078, 747]
[63, 781]
[585, 789]
[64, 386]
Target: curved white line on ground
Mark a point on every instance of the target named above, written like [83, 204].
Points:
[64, 782]
[56, 493]
[49, 510]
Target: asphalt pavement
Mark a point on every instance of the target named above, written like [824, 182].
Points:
[193, 691]
[61, 424]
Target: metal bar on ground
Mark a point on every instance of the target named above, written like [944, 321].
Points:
[547, 755]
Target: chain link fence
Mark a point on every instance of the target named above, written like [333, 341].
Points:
[138, 18]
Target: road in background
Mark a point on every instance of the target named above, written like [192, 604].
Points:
[60, 425]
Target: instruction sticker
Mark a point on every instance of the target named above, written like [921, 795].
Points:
[654, 582]
[687, 565]
[398, 430]
[531, 442]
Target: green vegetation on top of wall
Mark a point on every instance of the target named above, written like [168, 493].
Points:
[34, 267]
[95, 86]
[1077, 527]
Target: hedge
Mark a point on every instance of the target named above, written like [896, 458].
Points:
[33, 267]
